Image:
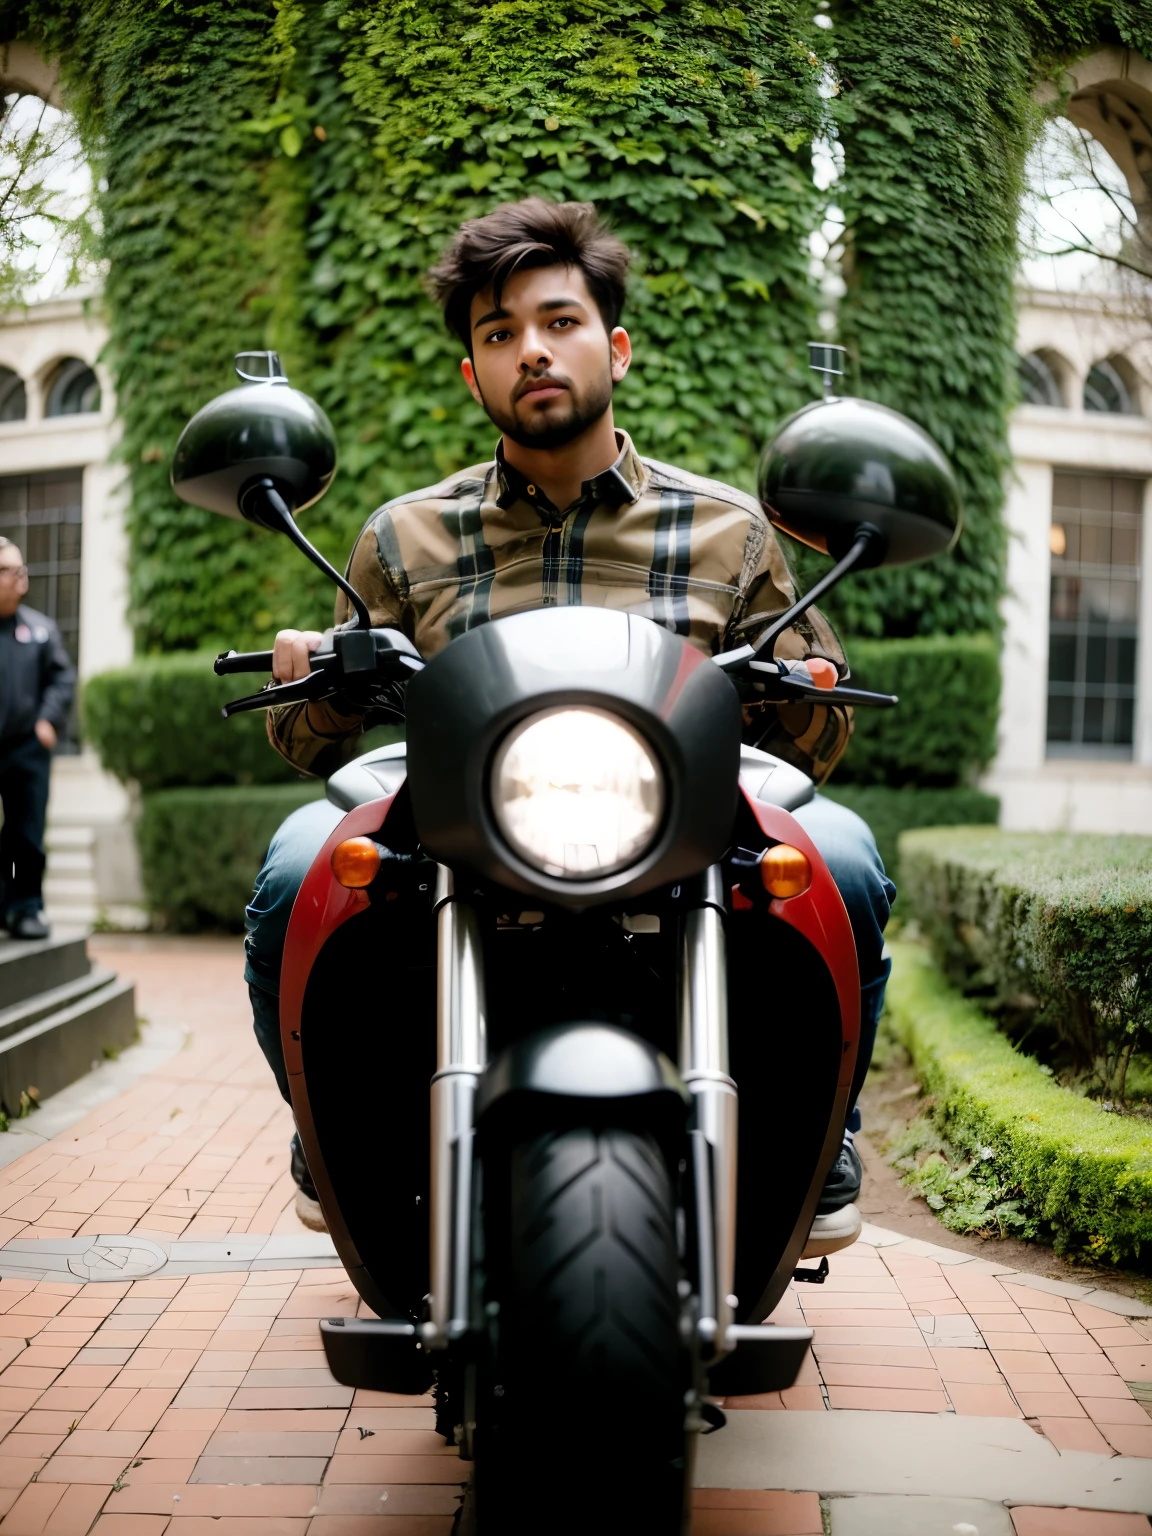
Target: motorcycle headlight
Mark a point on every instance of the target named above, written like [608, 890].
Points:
[577, 792]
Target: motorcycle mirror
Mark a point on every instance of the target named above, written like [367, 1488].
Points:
[840, 464]
[262, 435]
[262, 452]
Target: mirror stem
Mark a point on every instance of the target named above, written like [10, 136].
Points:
[263, 504]
[867, 550]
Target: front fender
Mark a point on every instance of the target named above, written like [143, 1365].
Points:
[581, 1071]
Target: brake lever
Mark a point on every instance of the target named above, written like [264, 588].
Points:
[305, 691]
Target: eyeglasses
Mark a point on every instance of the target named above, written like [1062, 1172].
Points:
[18, 571]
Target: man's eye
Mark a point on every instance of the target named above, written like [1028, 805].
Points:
[564, 320]
[497, 336]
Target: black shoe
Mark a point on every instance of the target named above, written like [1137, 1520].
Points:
[842, 1186]
[28, 925]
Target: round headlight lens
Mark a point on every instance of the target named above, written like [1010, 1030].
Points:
[577, 792]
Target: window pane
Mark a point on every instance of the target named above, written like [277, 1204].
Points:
[1060, 718]
[1094, 612]
[42, 514]
[1062, 658]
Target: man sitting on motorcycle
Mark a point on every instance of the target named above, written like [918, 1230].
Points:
[567, 512]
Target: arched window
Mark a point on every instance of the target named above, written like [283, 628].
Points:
[1105, 390]
[13, 404]
[1038, 382]
[73, 389]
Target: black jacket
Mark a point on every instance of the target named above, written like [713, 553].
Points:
[37, 678]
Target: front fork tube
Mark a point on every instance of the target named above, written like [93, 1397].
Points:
[461, 1056]
[712, 1127]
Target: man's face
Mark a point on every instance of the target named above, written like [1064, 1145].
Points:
[543, 365]
[13, 580]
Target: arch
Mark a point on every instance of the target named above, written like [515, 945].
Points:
[1112, 386]
[1110, 97]
[71, 388]
[22, 69]
[13, 398]
[1046, 378]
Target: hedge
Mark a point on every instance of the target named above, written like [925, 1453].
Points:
[1061, 1165]
[158, 723]
[944, 729]
[200, 849]
[1054, 930]
[889, 812]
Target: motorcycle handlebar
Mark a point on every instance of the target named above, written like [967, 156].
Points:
[242, 661]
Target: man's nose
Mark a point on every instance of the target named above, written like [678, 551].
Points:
[534, 352]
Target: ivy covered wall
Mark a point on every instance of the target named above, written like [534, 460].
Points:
[280, 172]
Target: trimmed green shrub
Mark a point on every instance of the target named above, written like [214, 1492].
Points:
[157, 723]
[889, 812]
[944, 730]
[200, 849]
[1062, 1165]
[1054, 930]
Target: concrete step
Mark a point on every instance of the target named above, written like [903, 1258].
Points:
[33, 1009]
[65, 1044]
[69, 861]
[29, 966]
[68, 835]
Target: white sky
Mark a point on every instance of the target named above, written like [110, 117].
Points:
[70, 179]
[1064, 204]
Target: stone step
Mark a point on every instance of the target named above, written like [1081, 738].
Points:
[65, 1044]
[69, 861]
[28, 966]
[69, 887]
[33, 1009]
[68, 835]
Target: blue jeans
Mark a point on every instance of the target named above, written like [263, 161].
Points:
[843, 839]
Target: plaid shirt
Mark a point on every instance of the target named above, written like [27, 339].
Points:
[691, 554]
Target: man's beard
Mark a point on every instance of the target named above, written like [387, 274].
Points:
[583, 412]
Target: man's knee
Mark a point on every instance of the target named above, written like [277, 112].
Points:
[847, 846]
[290, 854]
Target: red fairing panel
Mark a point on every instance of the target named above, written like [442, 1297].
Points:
[320, 907]
[820, 915]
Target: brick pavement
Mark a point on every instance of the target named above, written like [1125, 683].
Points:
[206, 1400]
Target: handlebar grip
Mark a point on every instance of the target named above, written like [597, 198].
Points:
[242, 661]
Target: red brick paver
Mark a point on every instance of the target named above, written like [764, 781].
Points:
[206, 1404]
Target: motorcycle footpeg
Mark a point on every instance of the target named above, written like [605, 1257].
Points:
[765, 1358]
[382, 1356]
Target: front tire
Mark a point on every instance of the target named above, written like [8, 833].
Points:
[581, 1418]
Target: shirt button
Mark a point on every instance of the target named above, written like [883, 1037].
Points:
[531, 490]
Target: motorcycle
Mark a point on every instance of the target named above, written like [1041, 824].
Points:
[557, 902]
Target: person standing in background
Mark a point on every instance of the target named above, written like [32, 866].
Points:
[37, 680]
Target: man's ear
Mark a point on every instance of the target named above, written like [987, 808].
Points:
[621, 344]
[469, 373]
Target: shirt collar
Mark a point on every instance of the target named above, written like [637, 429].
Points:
[621, 482]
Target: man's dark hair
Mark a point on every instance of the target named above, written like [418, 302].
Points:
[486, 252]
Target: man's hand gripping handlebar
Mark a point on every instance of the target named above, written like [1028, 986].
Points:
[363, 665]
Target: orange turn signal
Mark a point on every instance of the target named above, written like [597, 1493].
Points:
[356, 862]
[823, 673]
[785, 871]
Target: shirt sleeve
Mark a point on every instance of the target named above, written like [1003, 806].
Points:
[319, 738]
[810, 736]
[57, 681]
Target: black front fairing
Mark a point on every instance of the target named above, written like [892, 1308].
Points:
[368, 1061]
[475, 691]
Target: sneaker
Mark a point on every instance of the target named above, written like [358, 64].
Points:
[837, 1222]
[307, 1206]
[833, 1231]
[309, 1212]
[842, 1186]
[28, 925]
